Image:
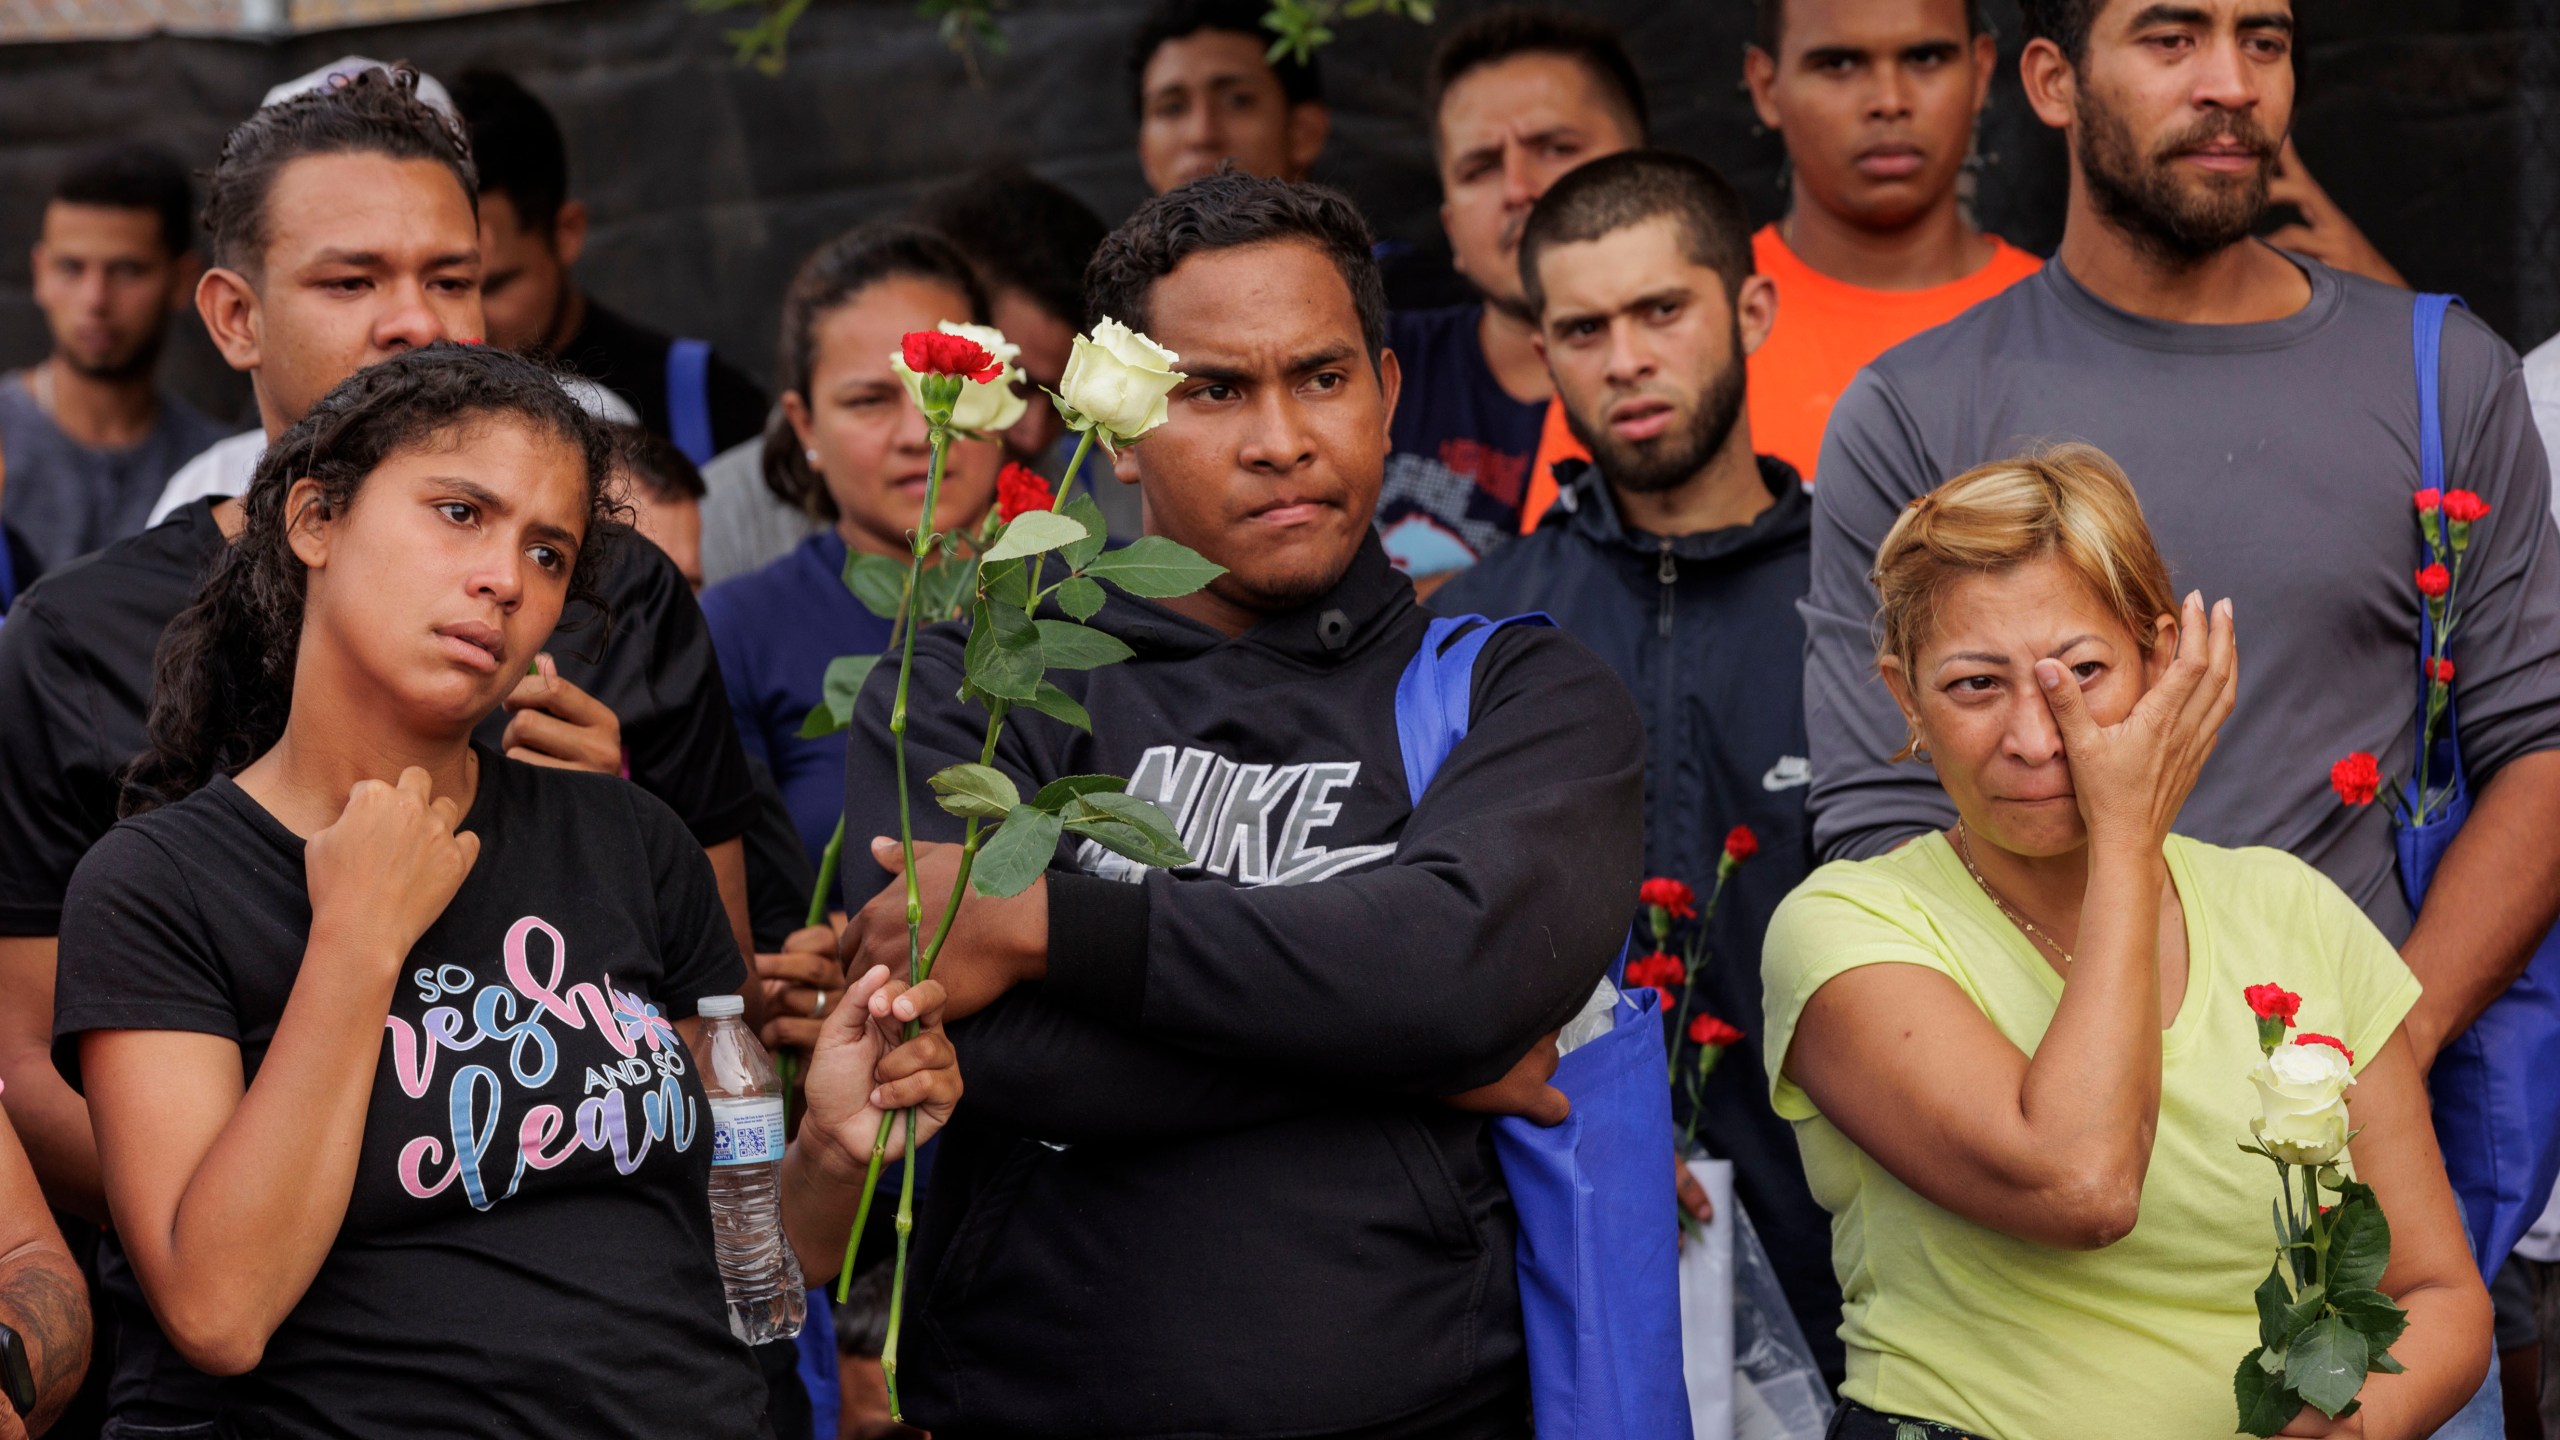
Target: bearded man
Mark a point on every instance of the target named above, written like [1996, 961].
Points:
[2266, 409]
[1678, 555]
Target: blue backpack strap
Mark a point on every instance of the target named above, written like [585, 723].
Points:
[689, 398]
[1435, 695]
[8, 575]
[2426, 350]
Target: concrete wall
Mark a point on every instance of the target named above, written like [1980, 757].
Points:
[709, 181]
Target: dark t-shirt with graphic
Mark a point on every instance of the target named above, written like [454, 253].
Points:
[1461, 446]
[527, 1250]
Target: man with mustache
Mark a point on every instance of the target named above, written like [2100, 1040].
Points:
[1225, 1170]
[1518, 97]
[2265, 407]
[1679, 557]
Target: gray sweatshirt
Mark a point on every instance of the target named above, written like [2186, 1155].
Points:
[2275, 463]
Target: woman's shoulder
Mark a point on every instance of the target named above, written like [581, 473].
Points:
[2256, 877]
[202, 822]
[1893, 896]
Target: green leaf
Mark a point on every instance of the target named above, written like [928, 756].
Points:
[1053, 797]
[1002, 657]
[1066, 645]
[1005, 583]
[1140, 813]
[1035, 532]
[2274, 1298]
[879, 582]
[972, 789]
[946, 589]
[1128, 840]
[2359, 1241]
[1079, 553]
[2386, 1365]
[2326, 1366]
[2373, 1315]
[1022, 847]
[1080, 597]
[2266, 1404]
[837, 693]
[1057, 704]
[1155, 567]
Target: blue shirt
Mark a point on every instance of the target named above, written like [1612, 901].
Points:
[1461, 446]
[776, 628]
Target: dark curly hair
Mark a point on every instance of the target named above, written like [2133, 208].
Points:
[371, 112]
[1227, 211]
[223, 679]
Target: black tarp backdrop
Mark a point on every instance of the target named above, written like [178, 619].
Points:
[2431, 123]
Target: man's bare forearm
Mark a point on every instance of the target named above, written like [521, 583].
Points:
[43, 1299]
[2492, 902]
[51, 1119]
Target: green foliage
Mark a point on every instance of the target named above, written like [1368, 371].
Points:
[1154, 567]
[1035, 532]
[1080, 553]
[1053, 797]
[1057, 704]
[2323, 1326]
[1002, 658]
[1127, 826]
[843, 684]
[2267, 1404]
[1066, 645]
[979, 790]
[879, 582]
[1022, 848]
[1300, 27]
[1080, 597]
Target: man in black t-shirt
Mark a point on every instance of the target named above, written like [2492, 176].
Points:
[531, 232]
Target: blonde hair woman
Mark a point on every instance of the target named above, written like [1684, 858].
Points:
[2016, 1051]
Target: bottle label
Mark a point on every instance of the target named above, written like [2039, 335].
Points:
[746, 1132]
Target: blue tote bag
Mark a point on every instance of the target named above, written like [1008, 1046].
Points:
[2497, 1085]
[1599, 1251]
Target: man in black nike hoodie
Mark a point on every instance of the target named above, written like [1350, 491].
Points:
[1225, 1167]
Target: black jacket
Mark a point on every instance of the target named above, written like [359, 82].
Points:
[1202, 1184]
[1703, 629]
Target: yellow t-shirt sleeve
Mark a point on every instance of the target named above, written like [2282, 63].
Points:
[2376, 988]
[1843, 917]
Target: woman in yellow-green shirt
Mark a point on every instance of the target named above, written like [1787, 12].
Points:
[2016, 1051]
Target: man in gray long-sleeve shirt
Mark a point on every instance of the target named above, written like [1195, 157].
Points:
[2266, 409]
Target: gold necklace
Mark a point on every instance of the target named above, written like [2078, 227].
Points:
[1964, 852]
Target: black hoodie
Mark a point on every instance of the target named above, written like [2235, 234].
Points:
[1202, 1184]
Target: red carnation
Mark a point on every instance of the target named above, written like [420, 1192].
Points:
[1740, 844]
[2273, 1002]
[932, 352]
[2464, 506]
[1710, 1031]
[2441, 670]
[2429, 499]
[1019, 488]
[2332, 1041]
[2356, 779]
[1656, 970]
[2434, 581]
[1664, 893]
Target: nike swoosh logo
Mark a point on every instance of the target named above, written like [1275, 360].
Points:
[1790, 772]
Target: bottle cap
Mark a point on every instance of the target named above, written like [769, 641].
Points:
[714, 1007]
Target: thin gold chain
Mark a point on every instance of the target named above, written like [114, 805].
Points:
[1964, 852]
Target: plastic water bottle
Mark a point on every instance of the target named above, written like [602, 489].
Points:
[766, 1298]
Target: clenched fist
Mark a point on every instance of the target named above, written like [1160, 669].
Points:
[390, 864]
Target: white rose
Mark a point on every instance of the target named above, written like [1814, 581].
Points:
[2302, 1093]
[1117, 380]
[981, 409]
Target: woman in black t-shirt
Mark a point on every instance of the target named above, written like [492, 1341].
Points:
[384, 1036]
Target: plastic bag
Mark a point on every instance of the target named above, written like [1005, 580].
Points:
[1750, 1374]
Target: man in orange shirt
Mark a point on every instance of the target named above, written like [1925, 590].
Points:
[1876, 101]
